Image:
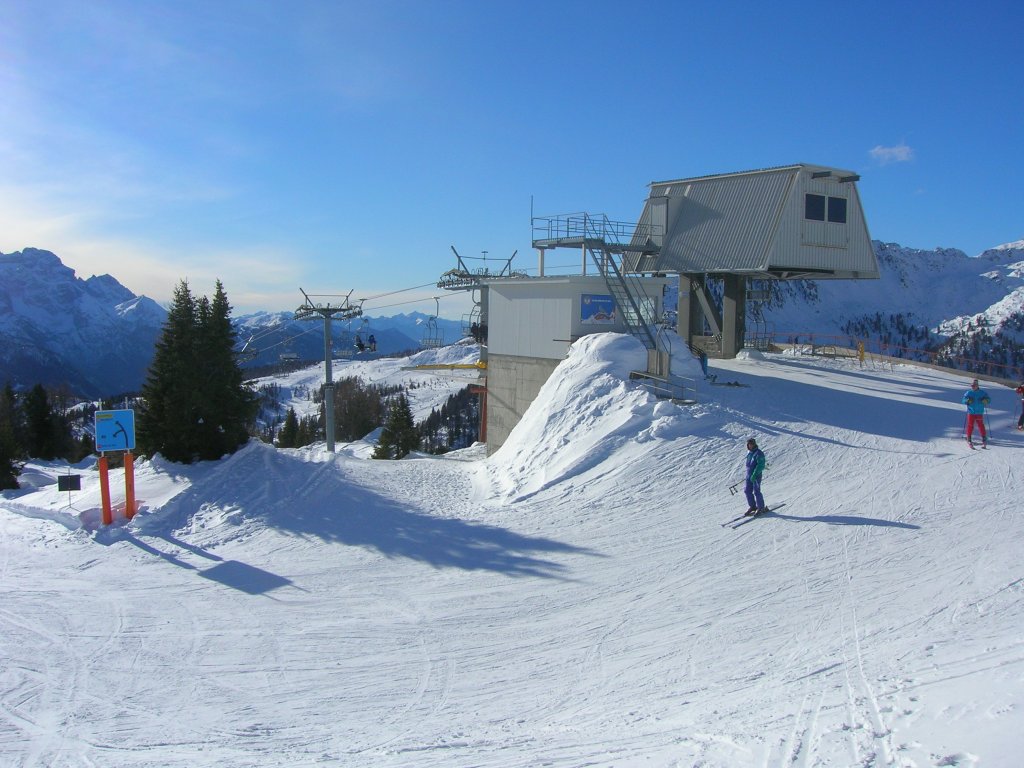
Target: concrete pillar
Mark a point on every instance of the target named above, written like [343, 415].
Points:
[734, 307]
[689, 315]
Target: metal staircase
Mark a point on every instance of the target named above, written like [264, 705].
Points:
[608, 243]
[612, 246]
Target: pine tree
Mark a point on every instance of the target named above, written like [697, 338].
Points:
[227, 406]
[47, 433]
[399, 436]
[288, 436]
[309, 430]
[8, 441]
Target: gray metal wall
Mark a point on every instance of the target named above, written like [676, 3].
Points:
[844, 248]
[541, 317]
[530, 318]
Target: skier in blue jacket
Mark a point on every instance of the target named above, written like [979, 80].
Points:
[752, 487]
[976, 399]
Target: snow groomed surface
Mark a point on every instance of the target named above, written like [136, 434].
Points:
[573, 600]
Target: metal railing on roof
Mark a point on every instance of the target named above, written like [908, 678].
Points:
[578, 228]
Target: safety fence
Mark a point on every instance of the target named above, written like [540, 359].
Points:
[863, 348]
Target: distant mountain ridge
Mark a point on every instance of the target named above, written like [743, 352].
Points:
[93, 337]
[96, 338]
[277, 334]
[941, 301]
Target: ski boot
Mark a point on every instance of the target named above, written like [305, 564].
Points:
[751, 511]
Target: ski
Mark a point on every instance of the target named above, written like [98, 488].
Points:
[745, 518]
[735, 519]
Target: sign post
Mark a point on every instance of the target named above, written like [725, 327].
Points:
[108, 512]
[69, 483]
[115, 431]
[129, 485]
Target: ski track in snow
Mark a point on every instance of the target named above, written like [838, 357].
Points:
[297, 608]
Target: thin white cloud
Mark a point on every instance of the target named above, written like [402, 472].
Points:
[255, 277]
[900, 153]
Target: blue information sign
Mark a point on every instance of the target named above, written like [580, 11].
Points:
[597, 309]
[115, 430]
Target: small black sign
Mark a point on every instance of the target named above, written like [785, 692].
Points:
[69, 482]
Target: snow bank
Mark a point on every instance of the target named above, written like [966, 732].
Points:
[586, 411]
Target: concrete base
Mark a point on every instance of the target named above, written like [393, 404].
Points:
[512, 385]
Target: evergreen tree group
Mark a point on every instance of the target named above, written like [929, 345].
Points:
[35, 425]
[296, 432]
[195, 402]
[455, 425]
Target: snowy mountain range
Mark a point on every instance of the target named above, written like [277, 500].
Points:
[95, 337]
[937, 288]
[92, 336]
[271, 335]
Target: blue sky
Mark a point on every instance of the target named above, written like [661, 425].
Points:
[339, 146]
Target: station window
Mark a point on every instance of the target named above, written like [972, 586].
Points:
[837, 210]
[816, 207]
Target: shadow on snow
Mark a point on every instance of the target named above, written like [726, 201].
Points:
[318, 500]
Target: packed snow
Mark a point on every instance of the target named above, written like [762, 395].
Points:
[572, 600]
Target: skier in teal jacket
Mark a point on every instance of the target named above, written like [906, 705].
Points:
[976, 399]
[752, 487]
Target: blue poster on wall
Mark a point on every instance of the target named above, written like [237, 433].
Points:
[597, 309]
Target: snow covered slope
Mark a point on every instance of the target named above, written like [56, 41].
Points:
[572, 600]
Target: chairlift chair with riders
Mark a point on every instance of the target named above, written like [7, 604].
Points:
[364, 340]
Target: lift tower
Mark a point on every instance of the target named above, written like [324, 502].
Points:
[346, 311]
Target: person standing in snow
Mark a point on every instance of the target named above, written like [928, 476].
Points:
[1020, 419]
[976, 399]
[752, 487]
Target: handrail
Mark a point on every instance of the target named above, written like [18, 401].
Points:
[583, 225]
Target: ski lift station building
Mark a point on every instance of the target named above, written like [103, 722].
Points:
[789, 222]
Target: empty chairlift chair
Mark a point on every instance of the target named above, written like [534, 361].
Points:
[432, 335]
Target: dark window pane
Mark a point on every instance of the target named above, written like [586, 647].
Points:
[814, 207]
[837, 210]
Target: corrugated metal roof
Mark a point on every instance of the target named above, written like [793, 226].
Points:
[770, 169]
[730, 223]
